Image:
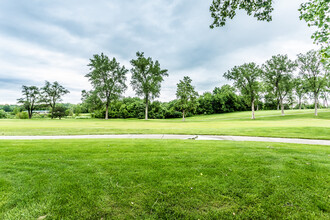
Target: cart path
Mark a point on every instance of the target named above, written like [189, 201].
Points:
[174, 136]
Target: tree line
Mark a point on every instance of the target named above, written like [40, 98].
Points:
[47, 96]
[275, 79]
[273, 82]
[272, 85]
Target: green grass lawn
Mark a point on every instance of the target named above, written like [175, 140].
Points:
[163, 179]
[296, 124]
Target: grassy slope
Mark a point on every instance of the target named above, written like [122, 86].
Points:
[297, 124]
[174, 179]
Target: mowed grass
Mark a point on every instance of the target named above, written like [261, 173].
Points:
[163, 179]
[296, 124]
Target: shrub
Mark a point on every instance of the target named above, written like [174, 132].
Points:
[22, 115]
[3, 114]
[99, 113]
[16, 110]
[69, 112]
[59, 112]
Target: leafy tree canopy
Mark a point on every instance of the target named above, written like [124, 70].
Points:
[187, 96]
[221, 10]
[246, 78]
[315, 12]
[107, 78]
[31, 96]
[146, 78]
[52, 94]
[313, 72]
[278, 75]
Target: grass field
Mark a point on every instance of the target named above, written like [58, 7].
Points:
[296, 124]
[167, 179]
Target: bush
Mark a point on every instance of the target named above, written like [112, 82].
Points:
[99, 113]
[69, 112]
[16, 110]
[3, 114]
[59, 112]
[22, 115]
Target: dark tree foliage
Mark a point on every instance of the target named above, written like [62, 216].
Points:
[222, 100]
[7, 108]
[172, 110]
[59, 112]
[221, 10]
[226, 100]
[205, 104]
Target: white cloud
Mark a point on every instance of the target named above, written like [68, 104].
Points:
[53, 40]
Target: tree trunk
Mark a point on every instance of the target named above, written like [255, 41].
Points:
[30, 113]
[324, 103]
[146, 112]
[278, 106]
[52, 113]
[282, 107]
[315, 102]
[183, 119]
[106, 111]
[299, 103]
[53, 107]
[252, 106]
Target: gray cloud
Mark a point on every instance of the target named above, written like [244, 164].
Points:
[53, 40]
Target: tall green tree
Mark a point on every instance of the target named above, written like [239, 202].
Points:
[278, 74]
[186, 95]
[299, 87]
[245, 79]
[107, 78]
[31, 96]
[146, 78]
[313, 72]
[52, 94]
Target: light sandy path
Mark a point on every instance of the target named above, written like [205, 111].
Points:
[173, 136]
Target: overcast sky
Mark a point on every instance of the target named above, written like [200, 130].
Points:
[54, 39]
